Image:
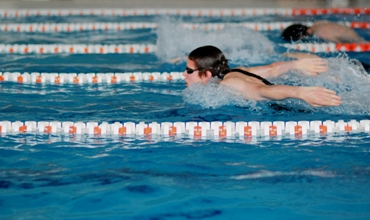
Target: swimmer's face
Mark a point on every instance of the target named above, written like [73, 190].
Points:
[191, 74]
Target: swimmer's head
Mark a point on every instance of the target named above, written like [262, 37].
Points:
[295, 32]
[209, 58]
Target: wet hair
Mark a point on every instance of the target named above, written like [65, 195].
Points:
[295, 32]
[210, 58]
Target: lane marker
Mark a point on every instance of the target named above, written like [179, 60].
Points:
[89, 78]
[328, 47]
[195, 130]
[120, 26]
[15, 13]
[150, 48]
[77, 48]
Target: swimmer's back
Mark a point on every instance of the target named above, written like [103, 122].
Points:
[247, 76]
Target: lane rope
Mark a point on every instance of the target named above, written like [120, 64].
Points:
[150, 48]
[73, 27]
[328, 47]
[76, 48]
[267, 26]
[89, 78]
[14, 13]
[207, 130]
[120, 26]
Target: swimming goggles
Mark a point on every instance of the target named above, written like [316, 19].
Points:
[190, 71]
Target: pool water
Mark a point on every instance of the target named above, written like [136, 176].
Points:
[66, 176]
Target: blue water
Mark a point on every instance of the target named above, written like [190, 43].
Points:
[136, 177]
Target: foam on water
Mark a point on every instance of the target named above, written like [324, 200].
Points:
[214, 95]
[175, 41]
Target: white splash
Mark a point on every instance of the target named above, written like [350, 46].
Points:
[175, 41]
[214, 95]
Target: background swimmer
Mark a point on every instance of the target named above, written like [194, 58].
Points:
[326, 30]
[207, 62]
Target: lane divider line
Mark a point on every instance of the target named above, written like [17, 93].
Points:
[328, 47]
[120, 26]
[15, 13]
[267, 26]
[76, 48]
[207, 130]
[150, 48]
[73, 27]
[89, 78]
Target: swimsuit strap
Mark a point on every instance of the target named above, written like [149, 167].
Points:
[253, 75]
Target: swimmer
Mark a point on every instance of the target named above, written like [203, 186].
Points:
[326, 30]
[206, 62]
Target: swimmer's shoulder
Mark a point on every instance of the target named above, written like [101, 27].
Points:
[236, 82]
[234, 73]
[321, 22]
[237, 70]
[240, 80]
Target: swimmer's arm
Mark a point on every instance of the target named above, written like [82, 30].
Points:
[272, 70]
[309, 66]
[315, 96]
[300, 55]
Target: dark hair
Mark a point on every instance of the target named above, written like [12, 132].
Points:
[295, 32]
[210, 58]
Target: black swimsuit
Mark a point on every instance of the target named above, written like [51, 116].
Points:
[265, 81]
